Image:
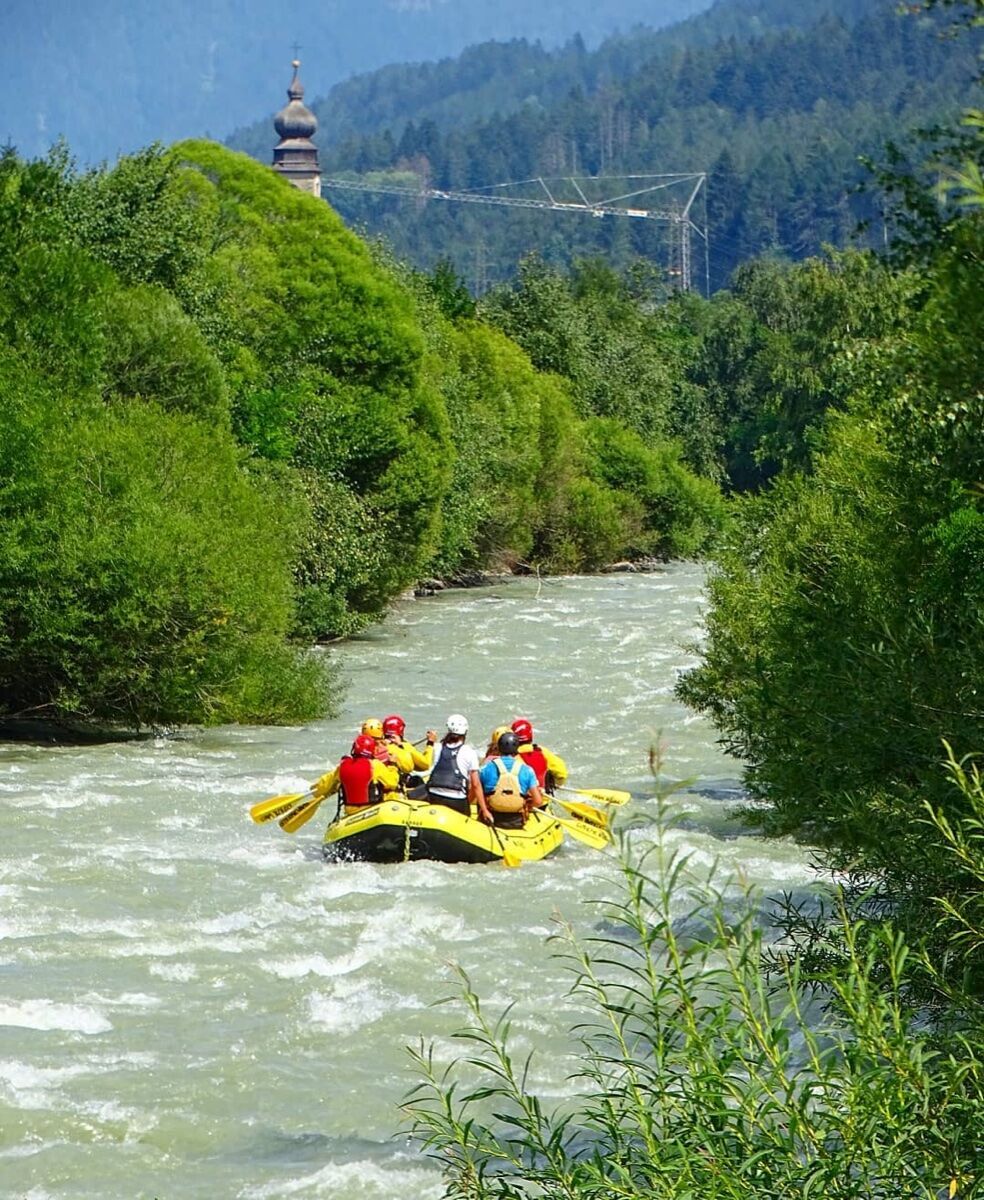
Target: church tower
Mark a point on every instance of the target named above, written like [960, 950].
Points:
[295, 156]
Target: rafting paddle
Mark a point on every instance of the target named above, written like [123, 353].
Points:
[509, 857]
[301, 814]
[276, 807]
[581, 831]
[586, 812]
[602, 795]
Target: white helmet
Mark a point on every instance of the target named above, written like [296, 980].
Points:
[457, 724]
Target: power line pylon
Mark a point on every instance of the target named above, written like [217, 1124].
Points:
[683, 219]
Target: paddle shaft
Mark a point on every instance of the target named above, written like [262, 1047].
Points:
[508, 857]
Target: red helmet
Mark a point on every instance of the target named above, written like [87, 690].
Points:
[523, 729]
[394, 724]
[364, 746]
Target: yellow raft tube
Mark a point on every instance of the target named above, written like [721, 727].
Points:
[401, 830]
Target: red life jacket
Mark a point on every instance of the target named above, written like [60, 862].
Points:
[355, 781]
[535, 758]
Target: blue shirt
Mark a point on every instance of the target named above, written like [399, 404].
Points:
[489, 776]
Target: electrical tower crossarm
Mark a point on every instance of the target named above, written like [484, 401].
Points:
[681, 219]
[598, 210]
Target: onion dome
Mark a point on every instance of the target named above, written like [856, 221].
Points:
[295, 120]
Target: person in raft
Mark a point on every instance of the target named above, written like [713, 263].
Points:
[550, 768]
[492, 750]
[509, 785]
[361, 778]
[387, 751]
[453, 779]
[394, 732]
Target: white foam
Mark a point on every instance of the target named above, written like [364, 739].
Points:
[67, 799]
[28, 1149]
[234, 922]
[352, 1008]
[46, 1015]
[129, 1000]
[174, 972]
[367, 1179]
[15, 929]
[23, 1077]
[315, 964]
[180, 822]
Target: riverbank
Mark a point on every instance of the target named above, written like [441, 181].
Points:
[493, 577]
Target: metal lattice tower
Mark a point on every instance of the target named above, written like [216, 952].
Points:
[684, 215]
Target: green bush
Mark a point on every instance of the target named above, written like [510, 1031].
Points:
[601, 332]
[593, 527]
[778, 350]
[153, 351]
[701, 1075]
[325, 357]
[681, 512]
[144, 579]
[52, 311]
[342, 553]
[845, 637]
[493, 397]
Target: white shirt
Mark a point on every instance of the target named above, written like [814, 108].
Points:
[467, 760]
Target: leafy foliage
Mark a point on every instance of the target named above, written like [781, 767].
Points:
[263, 429]
[776, 353]
[702, 1076]
[144, 574]
[143, 578]
[845, 633]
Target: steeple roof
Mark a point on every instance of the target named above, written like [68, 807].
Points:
[295, 120]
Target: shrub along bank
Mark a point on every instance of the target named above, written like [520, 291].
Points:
[845, 637]
[698, 1072]
[232, 429]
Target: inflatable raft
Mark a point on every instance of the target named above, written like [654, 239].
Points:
[408, 830]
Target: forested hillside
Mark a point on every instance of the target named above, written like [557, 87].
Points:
[111, 76]
[778, 113]
[231, 431]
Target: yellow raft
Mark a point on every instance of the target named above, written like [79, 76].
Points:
[408, 830]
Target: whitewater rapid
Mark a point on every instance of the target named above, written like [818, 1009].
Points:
[194, 1006]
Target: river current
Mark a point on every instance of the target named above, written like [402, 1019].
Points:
[195, 1006]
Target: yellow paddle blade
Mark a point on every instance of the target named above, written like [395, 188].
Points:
[582, 831]
[586, 812]
[275, 807]
[601, 795]
[301, 815]
[510, 858]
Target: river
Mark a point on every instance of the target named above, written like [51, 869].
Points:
[195, 1006]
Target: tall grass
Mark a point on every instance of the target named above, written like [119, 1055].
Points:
[704, 1075]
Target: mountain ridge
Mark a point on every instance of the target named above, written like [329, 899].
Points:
[434, 89]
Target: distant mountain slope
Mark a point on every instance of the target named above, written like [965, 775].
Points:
[111, 75]
[777, 114]
[501, 77]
